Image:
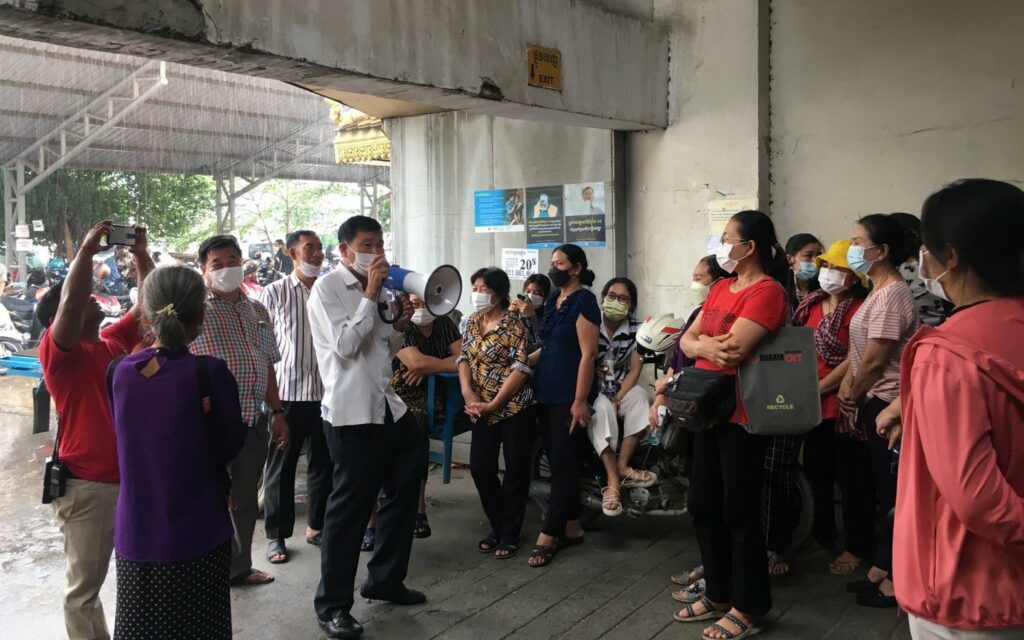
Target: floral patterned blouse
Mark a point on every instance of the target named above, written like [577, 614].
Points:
[492, 356]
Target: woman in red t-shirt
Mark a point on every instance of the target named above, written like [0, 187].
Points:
[829, 312]
[728, 467]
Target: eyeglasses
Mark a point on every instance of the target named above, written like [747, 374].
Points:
[733, 240]
[617, 298]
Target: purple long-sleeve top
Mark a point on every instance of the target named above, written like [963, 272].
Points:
[172, 506]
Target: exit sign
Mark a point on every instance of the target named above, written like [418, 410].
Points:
[545, 67]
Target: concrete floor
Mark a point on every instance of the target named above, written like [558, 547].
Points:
[615, 586]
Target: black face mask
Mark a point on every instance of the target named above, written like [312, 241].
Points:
[558, 277]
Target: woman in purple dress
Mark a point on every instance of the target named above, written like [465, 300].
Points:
[178, 423]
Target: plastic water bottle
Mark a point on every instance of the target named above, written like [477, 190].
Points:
[655, 438]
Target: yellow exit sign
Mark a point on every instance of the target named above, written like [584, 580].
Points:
[545, 67]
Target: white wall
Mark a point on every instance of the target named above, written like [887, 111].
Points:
[876, 104]
[439, 160]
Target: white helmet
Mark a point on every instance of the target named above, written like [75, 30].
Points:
[659, 332]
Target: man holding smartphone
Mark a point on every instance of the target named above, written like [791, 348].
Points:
[374, 440]
[75, 354]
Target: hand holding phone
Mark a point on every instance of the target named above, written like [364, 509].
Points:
[122, 234]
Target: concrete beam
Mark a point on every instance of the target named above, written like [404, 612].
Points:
[445, 54]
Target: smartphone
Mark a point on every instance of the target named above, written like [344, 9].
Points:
[523, 297]
[122, 234]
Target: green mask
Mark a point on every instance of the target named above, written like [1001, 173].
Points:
[614, 310]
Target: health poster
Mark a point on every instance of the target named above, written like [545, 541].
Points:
[545, 217]
[499, 210]
[586, 231]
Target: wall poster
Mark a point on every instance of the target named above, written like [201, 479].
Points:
[551, 215]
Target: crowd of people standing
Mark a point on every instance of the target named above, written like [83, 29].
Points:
[918, 424]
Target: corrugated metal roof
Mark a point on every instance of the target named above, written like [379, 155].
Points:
[201, 122]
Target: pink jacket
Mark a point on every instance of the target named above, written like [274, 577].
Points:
[958, 547]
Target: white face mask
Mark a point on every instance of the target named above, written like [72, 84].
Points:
[700, 289]
[363, 262]
[536, 300]
[933, 285]
[309, 270]
[722, 256]
[422, 317]
[832, 281]
[226, 279]
[481, 301]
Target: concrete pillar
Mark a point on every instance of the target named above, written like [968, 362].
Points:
[715, 146]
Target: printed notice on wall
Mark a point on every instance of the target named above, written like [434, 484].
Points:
[550, 215]
[720, 211]
[23, 244]
[37, 225]
[519, 264]
[499, 210]
[21, 231]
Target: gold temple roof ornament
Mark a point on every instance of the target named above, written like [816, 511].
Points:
[360, 137]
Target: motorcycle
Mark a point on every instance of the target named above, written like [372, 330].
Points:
[20, 300]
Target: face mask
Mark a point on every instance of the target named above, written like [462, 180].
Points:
[309, 270]
[806, 271]
[722, 256]
[933, 285]
[832, 281]
[700, 289]
[536, 300]
[614, 310]
[363, 262]
[855, 258]
[558, 277]
[226, 279]
[481, 301]
[422, 317]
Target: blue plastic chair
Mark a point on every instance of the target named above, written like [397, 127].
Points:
[453, 406]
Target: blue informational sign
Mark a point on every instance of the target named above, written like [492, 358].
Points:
[499, 210]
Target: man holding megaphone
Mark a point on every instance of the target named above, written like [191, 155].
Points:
[374, 440]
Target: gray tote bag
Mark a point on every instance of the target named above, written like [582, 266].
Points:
[779, 384]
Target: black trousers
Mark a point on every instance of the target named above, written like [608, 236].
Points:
[504, 501]
[857, 486]
[779, 486]
[564, 450]
[820, 467]
[305, 425]
[883, 470]
[370, 459]
[725, 502]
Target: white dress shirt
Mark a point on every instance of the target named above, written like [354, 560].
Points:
[354, 349]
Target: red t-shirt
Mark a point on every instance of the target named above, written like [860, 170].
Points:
[77, 380]
[763, 302]
[830, 401]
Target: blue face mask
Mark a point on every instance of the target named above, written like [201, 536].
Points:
[806, 271]
[855, 258]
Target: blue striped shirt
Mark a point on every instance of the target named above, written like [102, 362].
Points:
[298, 378]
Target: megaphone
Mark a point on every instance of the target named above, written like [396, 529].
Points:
[440, 290]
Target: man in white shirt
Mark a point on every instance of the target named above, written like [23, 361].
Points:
[374, 440]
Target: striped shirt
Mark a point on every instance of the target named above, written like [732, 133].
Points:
[889, 313]
[239, 334]
[298, 378]
[618, 347]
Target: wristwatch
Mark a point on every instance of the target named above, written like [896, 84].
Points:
[276, 412]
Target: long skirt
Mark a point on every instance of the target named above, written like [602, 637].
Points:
[165, 600]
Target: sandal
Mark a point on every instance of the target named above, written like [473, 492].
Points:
[639, 478]
[709, 613]
[687, 579]
[252, 578]
[488, 544]
[564, 542]
[315, 539]
[746, 630]
[691, 593]
[505, 551]
[369, 539]
[277, 553]
[778, 565]
[422, 527]
[843, 567]
[611, 506]
[544, 553]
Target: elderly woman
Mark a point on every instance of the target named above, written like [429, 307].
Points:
[178, 423]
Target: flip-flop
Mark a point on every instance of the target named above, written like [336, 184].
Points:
[488, 544]
[252, 578]
[277, 548]
[422, 528]
[369, 539]
[315, 539]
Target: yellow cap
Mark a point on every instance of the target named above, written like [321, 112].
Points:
[836, 256]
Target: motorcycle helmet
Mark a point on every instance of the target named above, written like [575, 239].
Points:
[659, 332]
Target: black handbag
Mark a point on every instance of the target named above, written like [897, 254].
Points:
[55, 474]
[697, 400]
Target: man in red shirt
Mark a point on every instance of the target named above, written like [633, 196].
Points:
[75, 354]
